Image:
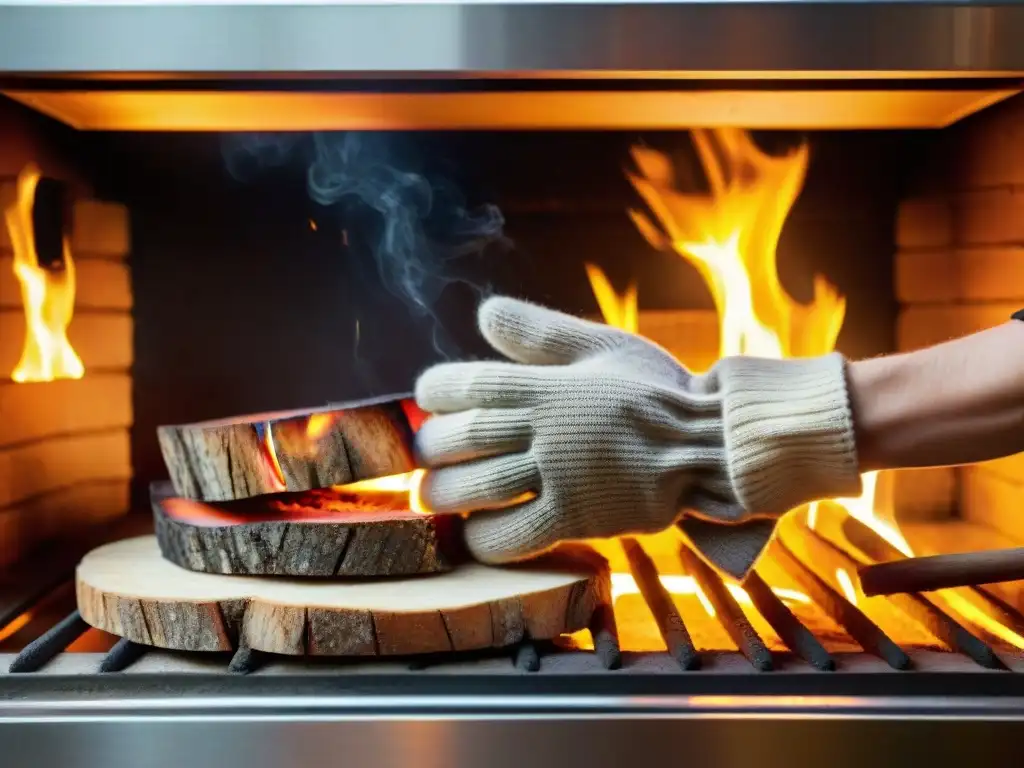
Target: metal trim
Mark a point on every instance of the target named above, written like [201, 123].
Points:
[302, 732]
[514, 37]
[283, 708]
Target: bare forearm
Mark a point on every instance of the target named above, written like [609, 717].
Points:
[954, 403]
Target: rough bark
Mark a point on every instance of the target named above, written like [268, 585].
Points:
[313, 533]
[126, 588]
[289, 451]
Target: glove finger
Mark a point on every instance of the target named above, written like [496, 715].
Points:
[473, 434]
[452, 387]
[483, 484]
[515, 533]
[732, 549]
[532, 334]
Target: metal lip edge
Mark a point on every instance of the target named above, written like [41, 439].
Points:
[343, 708]
[482, 3]
[469, 83]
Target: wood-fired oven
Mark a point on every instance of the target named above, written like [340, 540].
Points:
[216, 210]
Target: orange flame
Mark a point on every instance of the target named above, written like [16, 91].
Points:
[48, 295]
[730, 236]
[15, 626]
[318, 425]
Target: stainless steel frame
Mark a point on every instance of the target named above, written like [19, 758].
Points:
[170, 709]
[508, 38]
[508, 732]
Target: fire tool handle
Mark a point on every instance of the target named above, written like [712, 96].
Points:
[925, 574]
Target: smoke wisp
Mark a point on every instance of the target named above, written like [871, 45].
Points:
[415, 227]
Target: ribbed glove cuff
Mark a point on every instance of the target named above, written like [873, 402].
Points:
[788, 431]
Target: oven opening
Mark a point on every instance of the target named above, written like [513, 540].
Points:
[192, 279]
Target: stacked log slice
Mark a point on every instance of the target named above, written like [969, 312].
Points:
[127, 588]
[321, 533]
[253, 455]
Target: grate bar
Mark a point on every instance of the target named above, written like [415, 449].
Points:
[662, 606]
[527, 657]
[798, 638]
[940, 624]
[728, 611]
[605, 635]
[122, 655]
[49, 644]
[245, 660]
[869, 635]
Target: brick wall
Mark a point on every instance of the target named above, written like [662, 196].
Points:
[64, 445]
[960, 269]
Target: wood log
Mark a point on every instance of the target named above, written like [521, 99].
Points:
[930, 573]
[301, 450]
[128, 589]
[312, 533]
[965, 536]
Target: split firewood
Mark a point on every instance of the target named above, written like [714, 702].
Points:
[330, 532]
[290, 450]
[127, 588]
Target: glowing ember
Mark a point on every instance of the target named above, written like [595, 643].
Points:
[48, 295]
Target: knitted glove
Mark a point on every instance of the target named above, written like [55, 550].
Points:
[605, 433]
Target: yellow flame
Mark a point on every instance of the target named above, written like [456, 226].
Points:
[619, 311]
[979, 618]
[846, 584]
[318, 424]
[625, 584]
[730, 235]
[48, 295]
[406, 482]
[866, 509]
[270, 452]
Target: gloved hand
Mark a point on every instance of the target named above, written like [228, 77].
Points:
[613, 436]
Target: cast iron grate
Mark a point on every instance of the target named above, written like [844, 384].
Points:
[531, 656]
